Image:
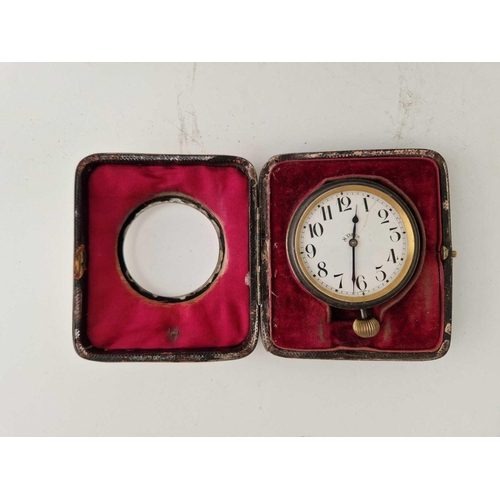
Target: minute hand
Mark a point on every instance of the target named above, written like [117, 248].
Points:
[354, 242]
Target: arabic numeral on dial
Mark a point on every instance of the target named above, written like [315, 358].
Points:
[341, 275]
[316, 229]
[311, 251]
[381, 277]
[395, 233]
[327, 213]
[384, 214]
[344, 203]
[392, 256]
[361, 283]
[322, 272]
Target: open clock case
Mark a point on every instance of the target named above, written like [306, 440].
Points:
[255, 290]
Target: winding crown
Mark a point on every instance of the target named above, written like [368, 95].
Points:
[366, 328]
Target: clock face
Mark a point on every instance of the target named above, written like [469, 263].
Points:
[353, 244]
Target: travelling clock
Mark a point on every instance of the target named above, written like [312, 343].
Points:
[354, 244]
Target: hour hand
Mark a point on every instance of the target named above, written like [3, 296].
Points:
[355, 220]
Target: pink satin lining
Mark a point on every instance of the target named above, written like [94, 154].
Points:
[121, 318]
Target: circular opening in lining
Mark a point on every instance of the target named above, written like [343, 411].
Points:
[172, 249]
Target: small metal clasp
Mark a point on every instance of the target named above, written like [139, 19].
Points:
[445, 252]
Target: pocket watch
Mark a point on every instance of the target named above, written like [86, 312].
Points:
[354, 244]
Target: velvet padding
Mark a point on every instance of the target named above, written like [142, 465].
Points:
[299, 321]
[119, 317]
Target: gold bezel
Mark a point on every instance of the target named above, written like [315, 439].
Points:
[394, 200]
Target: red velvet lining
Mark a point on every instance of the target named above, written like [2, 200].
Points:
[298, 320]
[119, 317]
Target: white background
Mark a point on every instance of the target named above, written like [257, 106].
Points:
[51, 116]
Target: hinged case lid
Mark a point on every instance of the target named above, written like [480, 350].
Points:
[112, 321]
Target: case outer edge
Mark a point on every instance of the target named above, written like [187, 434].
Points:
[265, 252]
[80, 286]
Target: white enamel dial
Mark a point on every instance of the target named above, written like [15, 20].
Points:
[354, 243]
